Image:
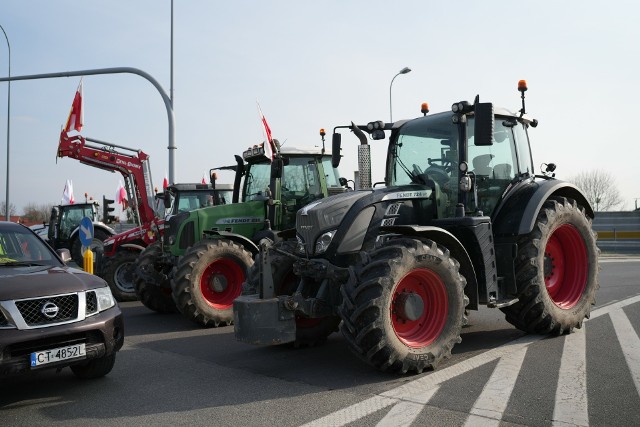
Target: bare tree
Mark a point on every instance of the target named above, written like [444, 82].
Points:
[599, 188]
[37, 213]
[3, 210]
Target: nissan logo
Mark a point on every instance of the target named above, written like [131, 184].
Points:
[49, 309]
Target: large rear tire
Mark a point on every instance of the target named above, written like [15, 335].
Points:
[155, 295]
[119, 272]
[407, 307]
[556, 271]
[209, 277]
[309, 332]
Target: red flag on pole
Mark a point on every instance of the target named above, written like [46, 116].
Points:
[269, 149]
[76, 115]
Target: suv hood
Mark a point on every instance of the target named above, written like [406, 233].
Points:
[30, 282]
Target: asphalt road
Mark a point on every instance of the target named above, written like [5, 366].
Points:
[170, 372]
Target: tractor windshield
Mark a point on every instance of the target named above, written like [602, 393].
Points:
[427, 150]
[186, 201]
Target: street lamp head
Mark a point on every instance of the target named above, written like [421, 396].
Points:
[405, 70]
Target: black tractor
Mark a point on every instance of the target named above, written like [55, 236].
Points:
[463, 220]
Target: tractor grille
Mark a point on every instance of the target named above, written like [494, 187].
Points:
[308, 231]
[33, 310]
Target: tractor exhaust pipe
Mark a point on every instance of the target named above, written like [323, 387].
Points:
[364, 158]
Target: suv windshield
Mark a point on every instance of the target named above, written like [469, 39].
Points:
[22, 247]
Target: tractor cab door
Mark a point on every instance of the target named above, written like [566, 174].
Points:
[54, 224]
[495, 166]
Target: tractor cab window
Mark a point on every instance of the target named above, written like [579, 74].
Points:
[300, 186]
[525, 162]
[331, 174]
[71, 217]
[257, 181]
[425, 151]
[494, 166]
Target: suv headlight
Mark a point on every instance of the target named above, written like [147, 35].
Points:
[104, 298]
[323, 242]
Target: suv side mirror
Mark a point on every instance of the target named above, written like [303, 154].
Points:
[483, 124]
[336, 146]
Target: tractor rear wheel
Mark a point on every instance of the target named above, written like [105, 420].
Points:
[154, 294]
[309, 331]
[118, 271]
[407, 307]
[209, 277]
[556, 271]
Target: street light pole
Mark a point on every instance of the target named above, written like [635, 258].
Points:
[405, 70]
[6, 207]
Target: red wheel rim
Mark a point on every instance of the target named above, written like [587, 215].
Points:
[221, 283]
[565, 266]
[422, 331]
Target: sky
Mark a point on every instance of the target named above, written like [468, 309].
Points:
[310, 65]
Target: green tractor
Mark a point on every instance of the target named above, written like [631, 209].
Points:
[204, 256]
[463, 220]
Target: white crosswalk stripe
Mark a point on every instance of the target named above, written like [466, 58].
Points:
[406, 402]
[571, 408]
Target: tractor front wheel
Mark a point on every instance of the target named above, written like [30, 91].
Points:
[118, 271]
[209, 277]
[97, 243]
[407, 307]
[151, 281]
[556, 271]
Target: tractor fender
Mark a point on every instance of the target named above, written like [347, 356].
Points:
[238, 238]
[100, 226]
[516, 215]
[456, 248]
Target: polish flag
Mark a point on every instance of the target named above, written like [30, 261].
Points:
[269, 149]
[67, 194]
[203, 180]
[121, 196]
[76, 115]
[165, 182]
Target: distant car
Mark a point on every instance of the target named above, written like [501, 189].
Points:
[52, 315]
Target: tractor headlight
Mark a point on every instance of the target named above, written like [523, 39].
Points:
[300, 245]
[324, 241]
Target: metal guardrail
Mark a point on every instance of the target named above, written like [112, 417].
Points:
[618, 231]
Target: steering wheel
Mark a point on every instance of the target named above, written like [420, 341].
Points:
[437, 173]
[446, 164]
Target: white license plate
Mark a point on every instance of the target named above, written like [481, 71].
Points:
[57, 354]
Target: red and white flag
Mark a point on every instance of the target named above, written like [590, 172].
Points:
[165, 182]
[121, 196]
[269, 149]
[67, 194]
[76, 115]
[203, 180]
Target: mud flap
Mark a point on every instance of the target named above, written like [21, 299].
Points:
[263, 321]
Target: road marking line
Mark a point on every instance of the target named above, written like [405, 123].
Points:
[420, 391]
[571, 406]
[631, 348]
[353, 412]
[404, 413]
[490, 405]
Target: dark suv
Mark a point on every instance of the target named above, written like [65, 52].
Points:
[51, 315]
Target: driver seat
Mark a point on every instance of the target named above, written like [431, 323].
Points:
[481, 164]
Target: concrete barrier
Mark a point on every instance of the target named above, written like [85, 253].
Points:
[618, 231]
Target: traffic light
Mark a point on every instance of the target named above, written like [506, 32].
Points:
[107, 209]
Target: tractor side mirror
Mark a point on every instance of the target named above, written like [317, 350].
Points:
[336, 146]
[483, 124]
[166, 198]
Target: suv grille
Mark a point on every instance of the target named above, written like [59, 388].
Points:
[43, 311]
[3, 320]
[92, 303]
